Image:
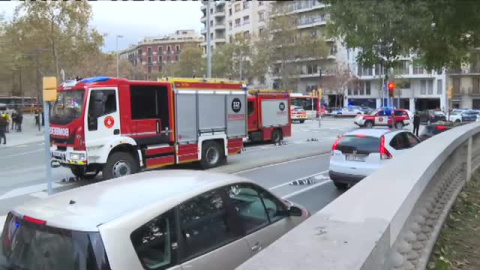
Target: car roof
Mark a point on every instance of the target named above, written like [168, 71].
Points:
[373, 132]
[102, 202]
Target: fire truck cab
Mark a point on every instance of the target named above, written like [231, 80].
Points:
[119, 127]
[269, 115]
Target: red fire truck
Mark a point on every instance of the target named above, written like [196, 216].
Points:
[119, 127]
[268, 115]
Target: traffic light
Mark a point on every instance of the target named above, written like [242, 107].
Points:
[391, 88]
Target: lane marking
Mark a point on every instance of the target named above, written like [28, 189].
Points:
[306, 189]
[27, 190]
[284, 162]
[287, 183]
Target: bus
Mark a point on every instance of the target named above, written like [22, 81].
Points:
[27, 104]
[312, 105]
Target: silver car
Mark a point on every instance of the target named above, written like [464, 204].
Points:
[154, 220]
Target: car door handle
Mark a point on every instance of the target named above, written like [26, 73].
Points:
[257, 247]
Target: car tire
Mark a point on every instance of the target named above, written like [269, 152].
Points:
[277, 135]
[398, 125]
[120, 164]
[302, 121]
[457, 121]
[212, 155]
[79, 172]
[340, 186]
[369, 124]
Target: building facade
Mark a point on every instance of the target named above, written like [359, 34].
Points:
[465, 85]
[153, 55]
[416, 88]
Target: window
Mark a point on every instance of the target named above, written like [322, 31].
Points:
[160, 59]
[475, 85]
[363, 145]
[149, 102]
[160, 50]
[149, 60]
[177, 48]
[400, 141]
[149, 51]
[423, 87]
[368, 86]
[439, 87]
[412, 140]
[205, 224]
[102, 102]
[261, 16]
[260, 30]
[154, 242]
[149, 69]
[379, 69]
[246, 4]
[176, 57]
[237, 7]
[362, 88]
[246, 34]
[430, 87]
[355, 90]
[168, 58]
[237, 22]
[246, 19]
[169, 49]
[349, 90]
[260, 3]
[230, 25]
[229, 11]
[262, 79]
[251, 107]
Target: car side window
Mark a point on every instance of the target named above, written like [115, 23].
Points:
[155, 242]
[412, 140]
[399, 142]
[205, 225]
[248, 206]
[276, 210]
[382, 113]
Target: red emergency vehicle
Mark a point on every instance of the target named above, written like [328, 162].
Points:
[118, 127]
[268, 115]
[312, 105]
[384, 118]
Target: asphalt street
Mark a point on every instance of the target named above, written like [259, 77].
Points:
[22, 174]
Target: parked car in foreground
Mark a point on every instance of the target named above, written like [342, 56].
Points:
[436, 128]
[431, 116]
[381, 118]
[358, 153]
[155, 220]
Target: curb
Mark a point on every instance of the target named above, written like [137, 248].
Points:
[234, 168]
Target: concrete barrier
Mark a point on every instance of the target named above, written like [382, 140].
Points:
[391, 219]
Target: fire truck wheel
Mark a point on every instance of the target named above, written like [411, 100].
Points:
[119, 164]
[212, 155]
[277, 135]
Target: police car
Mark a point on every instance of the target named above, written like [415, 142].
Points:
[383, 117]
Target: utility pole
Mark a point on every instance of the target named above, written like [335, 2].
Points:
[209, 49]
[116, 50]
[37, 77]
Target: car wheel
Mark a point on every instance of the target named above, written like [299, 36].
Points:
[341, 186]
[212, 155]
[277, 135]
[369, 124]
[399, 125]
[120, 164]
[302, 121]
[457, 121]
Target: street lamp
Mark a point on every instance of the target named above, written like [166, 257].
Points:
[116, 49]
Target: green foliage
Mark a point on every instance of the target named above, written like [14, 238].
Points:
[191, 63]
[442, 33]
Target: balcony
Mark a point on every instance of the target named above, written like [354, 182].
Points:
[203, 19]
[219, 26]
[203, 7]
[203, 31]
[304, 6]
[311, 22]
[219, 13]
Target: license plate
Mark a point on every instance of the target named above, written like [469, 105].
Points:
[59, 155]
[355, 158]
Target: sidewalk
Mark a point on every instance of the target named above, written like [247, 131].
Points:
[29, 134]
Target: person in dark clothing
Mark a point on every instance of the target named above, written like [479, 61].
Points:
[416, 123]
[19, 122]
[3, 129]
[37, 119]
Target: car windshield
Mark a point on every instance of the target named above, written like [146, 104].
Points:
[456, 112]
[27, 245]
[374, 112]
[359, 143]
[68, 107]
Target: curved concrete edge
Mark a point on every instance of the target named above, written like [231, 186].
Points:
[254, 164]
[363, 229]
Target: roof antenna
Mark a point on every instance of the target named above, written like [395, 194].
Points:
[72, 202]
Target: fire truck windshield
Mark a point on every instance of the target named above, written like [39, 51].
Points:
[68, 107]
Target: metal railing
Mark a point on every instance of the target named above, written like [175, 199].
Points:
[391, 219]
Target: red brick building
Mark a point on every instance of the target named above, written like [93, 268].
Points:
[153, 54]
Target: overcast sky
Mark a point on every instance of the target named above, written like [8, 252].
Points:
[136, 20]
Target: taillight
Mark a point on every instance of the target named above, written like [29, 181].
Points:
[384, 153]
[34, 220]
[441, 127]
[335, 145]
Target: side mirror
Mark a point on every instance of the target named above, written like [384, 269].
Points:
[295, 211]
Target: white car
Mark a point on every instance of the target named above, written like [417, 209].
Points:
[359, 153]
[349, 111]
[463, 116]
[155, 220]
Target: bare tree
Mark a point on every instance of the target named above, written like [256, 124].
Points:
[337, 80]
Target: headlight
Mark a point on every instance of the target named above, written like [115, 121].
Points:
[77, 156]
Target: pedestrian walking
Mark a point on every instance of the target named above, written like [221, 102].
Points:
[19, 122]
[14, 120]
[37, 119]
[416, 123]
[3, 128]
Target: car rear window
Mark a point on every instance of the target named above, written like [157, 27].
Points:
[360, 143]
[439, 113]
[27, 245]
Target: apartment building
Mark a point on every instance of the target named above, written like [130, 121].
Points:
[311, 20]
[417, 89]
[154, 54]
[465, 82]
[217, 22]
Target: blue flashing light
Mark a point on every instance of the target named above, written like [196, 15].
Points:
[17, 224]
[95, 79]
